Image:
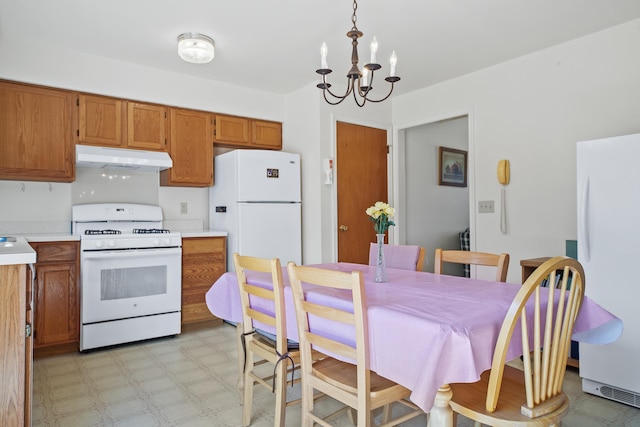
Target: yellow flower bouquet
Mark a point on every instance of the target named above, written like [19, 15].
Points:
[379, 214]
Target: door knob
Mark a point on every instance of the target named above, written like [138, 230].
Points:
[343, 228]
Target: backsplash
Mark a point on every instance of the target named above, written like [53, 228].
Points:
[106, 186]
[43, 207]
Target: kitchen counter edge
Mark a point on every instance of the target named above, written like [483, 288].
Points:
[204, 233]
[18, 252]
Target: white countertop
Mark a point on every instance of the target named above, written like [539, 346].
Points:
[204, 233]
[18, 252]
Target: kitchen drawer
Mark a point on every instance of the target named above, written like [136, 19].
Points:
[56, 251]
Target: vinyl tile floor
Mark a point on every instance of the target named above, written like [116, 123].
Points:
[191, 380]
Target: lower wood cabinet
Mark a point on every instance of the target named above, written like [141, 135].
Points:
[204, 260]
[15, 346]
[57, 299]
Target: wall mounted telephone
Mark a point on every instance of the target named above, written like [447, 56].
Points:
[504, 176]
[504, 173]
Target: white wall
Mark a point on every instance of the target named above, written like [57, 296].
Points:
[532, 110]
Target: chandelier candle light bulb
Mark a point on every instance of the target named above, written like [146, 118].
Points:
[323, 56]
[393, 61]
[374, 50]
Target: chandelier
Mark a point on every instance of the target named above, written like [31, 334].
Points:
[358, 82]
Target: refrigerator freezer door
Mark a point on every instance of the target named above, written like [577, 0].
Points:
[608, 232]
[270, 230]
[268, 176]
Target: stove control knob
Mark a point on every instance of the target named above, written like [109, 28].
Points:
[99, 244]
[112, 243]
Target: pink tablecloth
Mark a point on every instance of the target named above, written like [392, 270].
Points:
[425, 330]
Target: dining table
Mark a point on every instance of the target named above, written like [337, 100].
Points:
[426, 330]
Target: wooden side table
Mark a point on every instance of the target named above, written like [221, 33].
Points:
[528, 266]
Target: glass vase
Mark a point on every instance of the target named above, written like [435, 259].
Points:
[381, 271]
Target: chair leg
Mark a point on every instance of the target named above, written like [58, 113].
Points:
[240, 384]
[281, 393]
[364, 416]
[248, 390]
[386, 413]
[307, 404]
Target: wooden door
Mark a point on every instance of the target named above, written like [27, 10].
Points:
[267, 134]
[230, 129]
[38, 133]
[56, 304]
[361, 166]
[147, 126]
[101, 120]
[191, 148]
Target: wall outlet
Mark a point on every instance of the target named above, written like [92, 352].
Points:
[486, 206]
[184, 208]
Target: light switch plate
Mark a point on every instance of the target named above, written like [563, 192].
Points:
[486, 206]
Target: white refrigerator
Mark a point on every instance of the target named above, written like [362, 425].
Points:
[608, 200]
[256, 200]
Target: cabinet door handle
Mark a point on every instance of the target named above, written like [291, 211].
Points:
[27, 330]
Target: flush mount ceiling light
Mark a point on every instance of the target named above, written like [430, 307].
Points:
[358, 82]
[195, 48]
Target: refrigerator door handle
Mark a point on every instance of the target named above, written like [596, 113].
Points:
[583, 231]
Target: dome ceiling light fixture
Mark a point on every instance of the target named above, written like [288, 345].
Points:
[358, 82]
[195, 48]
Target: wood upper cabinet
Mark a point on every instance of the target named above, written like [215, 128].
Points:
[102, 121]
[37, 133]
[204, 260]
[57, 303]
[190, 148]
[267, 134]
[241, 132]
[112, 122]
[147, 126]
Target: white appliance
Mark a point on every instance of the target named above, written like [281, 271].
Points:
[131, 274]
[256, 200]
[608, 184]
[106, 157]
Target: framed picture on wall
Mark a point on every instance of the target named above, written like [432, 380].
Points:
[452, 167]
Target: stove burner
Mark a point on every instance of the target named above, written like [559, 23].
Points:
[102, 232]
[150, 231]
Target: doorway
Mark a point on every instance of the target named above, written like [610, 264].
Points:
[433, 215]
[361, 166]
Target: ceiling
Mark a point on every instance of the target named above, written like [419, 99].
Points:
[274, 45]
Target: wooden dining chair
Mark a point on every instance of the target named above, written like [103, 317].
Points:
[340, 331]
[402, 257]
[507, 396]
[474, 258]
[265, 307]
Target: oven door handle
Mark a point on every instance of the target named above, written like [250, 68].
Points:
[130, 252]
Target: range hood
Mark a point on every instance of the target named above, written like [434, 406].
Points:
[89, 156]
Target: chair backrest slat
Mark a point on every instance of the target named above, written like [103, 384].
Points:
[501, 261]
[350, 318]
[271, 310]
[545, 364]
[402, 257]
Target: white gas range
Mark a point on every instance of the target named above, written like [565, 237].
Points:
[131, 274]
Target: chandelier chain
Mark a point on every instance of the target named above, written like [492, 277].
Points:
[354, 18]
